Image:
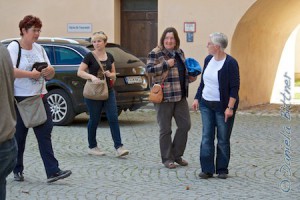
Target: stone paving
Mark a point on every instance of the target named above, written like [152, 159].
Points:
[258, 151]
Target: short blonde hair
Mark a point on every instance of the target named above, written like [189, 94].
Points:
[99, 35]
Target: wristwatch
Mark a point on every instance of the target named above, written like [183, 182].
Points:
[230, 108]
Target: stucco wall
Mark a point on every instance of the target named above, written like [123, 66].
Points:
[257, 44]
[56, 14]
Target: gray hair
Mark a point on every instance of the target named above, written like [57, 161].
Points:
[219, 39]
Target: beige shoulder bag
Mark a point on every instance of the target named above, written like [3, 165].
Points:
[97, 91]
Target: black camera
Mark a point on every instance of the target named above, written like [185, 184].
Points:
[39, 66]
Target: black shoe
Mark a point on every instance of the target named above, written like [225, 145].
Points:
[19, 176]
[205, 175]
[223, 176]
[59, 175]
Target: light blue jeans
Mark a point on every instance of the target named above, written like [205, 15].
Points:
[213, 121]
[8, 160]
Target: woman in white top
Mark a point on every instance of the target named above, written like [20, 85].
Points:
[30, 82]
[218, 99]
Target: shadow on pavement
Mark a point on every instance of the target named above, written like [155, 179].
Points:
[125, 119]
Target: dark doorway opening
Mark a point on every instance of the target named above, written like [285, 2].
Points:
[139, 26]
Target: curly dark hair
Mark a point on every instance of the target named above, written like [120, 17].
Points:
[29, 21]
[170, 30]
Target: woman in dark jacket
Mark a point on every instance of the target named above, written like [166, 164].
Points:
[218, 99]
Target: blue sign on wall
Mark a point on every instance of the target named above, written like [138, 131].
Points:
[190, 37]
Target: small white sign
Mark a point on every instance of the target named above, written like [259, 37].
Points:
[80, 28]
[190, 27]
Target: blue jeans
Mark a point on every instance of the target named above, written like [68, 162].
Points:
[43, 136]
[95, 109]
[213, 118]
[8, 159]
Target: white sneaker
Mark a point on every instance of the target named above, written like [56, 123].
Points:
[122, 152]
[96, 152]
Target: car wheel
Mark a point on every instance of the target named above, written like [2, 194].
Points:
[61, 107]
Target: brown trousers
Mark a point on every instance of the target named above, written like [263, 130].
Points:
[173, 150]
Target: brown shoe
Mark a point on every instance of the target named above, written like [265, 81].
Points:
[181, 162]
[169, 165]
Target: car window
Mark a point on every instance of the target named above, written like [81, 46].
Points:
[66, 56]
[49, 51]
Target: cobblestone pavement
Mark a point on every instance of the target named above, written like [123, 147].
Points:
[258, 151]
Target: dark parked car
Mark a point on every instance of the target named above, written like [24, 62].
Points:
[65, 89]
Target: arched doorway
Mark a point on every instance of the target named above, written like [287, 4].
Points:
[258, 42]
[288, 69]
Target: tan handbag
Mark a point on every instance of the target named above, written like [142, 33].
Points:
[32, 111]
[94, 91]
[97, 91]
[156, 93]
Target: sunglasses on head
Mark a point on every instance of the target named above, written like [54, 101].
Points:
[99, 32]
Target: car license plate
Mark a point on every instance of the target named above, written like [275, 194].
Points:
[133, 79]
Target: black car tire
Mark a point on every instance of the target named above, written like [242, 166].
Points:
[61, 107]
